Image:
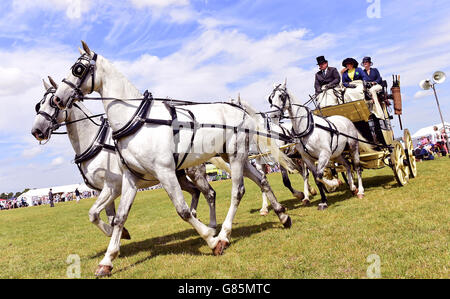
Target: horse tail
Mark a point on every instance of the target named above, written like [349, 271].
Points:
[364, 146]
[220, 163]
[266, 144]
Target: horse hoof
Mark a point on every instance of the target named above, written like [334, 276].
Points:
[125, 234]
[103, 271]
[299, 195]
[313, 192]
[263, 213]
[322, 207]
[220, 247]
[355, 192]
[306, 202]
[287, 223]
[360, 196]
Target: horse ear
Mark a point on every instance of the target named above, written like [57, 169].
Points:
[81, 51]
[86, 48]
[239, 98]
[52, 82]
[285, 82]
[46, 85]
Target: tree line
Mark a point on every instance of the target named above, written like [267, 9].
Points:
[10, 195]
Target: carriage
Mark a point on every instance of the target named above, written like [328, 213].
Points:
[379, 133]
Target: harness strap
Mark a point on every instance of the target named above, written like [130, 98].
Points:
[138, 119]
[86, 181]
[97, 145]
[176, 131]
[333, 131]
[134, 124]
[194, 131]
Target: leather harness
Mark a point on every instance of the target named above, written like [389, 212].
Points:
[97, 145]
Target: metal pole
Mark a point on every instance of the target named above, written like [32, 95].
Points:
[440, 113]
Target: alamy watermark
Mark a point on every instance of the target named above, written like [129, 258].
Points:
[74, 268]
[374, 9]
[374, 269]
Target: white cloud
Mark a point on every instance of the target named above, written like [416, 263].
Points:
[57, 161]
[32, 151]
[218, 64]
[13, 80]
[73, 8]
[182, 15]
[159, 3]
[21, 74]
[422, 94]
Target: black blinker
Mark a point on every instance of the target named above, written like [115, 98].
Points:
[78, 70]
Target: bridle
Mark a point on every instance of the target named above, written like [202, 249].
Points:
[284, 97]
[82, 71]
[51, 118]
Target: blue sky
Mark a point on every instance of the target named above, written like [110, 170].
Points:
[206, 50]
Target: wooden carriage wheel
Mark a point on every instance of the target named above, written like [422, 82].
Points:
[399, 163]
[409, 150]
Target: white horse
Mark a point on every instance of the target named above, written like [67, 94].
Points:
[197, 132]
[281, 132]
[321, 139]
[100, 166]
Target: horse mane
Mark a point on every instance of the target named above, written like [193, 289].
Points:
[248, 108]
[267, 144]
[121, 76]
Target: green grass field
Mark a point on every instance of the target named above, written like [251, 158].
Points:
[407, 227]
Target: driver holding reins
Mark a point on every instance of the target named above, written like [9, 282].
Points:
[327, 80]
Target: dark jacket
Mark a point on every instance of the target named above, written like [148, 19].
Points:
[373, 77]
[346, 79]
[332, 78]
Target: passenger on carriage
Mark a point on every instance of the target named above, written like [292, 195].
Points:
[326, 83]
[372, 77]
[352, 79]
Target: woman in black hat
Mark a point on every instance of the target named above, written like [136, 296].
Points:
[353, 81]
[372, 77]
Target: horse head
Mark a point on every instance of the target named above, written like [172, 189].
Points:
[279, 99]
[81, 80]
[48, 115]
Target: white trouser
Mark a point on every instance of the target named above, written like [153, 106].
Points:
[327, 98]
[354, 94]
[375, 107]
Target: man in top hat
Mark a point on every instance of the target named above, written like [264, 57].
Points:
[373, 77]
[326, 83]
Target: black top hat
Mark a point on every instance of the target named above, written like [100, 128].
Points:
[350, 61]
[367, 59]
[320, 60]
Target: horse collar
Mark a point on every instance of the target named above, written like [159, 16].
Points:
[309, 127]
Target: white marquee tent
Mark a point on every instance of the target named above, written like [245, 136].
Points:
[33, 194]
[427, 131]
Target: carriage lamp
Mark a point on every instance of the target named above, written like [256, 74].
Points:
[438, 77]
